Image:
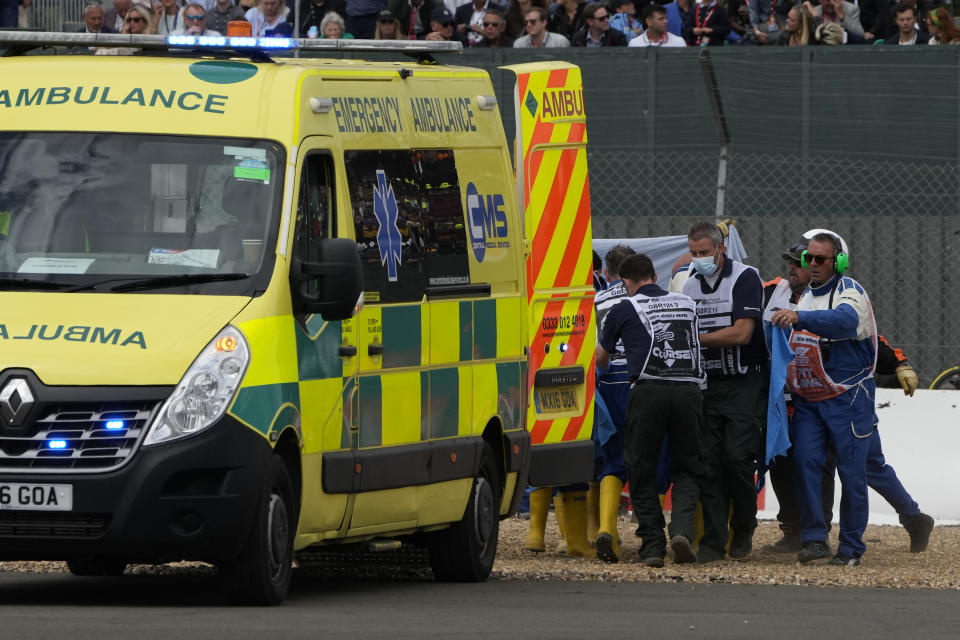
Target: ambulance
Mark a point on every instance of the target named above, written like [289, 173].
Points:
[256, 306]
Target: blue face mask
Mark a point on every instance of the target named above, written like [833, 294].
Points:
[705, 266]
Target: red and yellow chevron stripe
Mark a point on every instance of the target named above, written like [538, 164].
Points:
[552, 174]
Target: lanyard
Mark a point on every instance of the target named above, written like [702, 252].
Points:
[176, 17]
[703, 24]
[413, 21]
[659, 42]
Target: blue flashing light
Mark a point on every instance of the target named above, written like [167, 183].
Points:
[56, 444]
[563, 347]
[113, 425]
[236, 42]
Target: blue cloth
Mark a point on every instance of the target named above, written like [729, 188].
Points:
[883, 479]
[778, 423]
[613, 393]
[675, 20]
[625, 24]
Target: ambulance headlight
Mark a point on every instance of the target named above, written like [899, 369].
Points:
[205, 391]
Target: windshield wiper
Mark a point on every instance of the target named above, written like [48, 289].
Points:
[30, 283]
[177, 281]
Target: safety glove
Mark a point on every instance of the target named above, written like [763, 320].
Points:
[907, 378]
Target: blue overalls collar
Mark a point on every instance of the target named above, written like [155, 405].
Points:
[825, 288]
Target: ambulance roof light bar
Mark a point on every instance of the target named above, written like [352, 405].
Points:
[34, 39]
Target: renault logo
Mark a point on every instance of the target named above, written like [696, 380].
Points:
[16, 400]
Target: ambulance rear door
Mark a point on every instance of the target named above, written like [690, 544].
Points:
[554, 197]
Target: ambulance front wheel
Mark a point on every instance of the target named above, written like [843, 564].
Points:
[261, 574]
[465, 551]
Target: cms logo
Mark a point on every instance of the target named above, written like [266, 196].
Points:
[487, 221]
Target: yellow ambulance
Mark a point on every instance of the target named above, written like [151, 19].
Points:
[252, 306]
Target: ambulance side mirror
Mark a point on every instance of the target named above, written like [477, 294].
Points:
[332, 286]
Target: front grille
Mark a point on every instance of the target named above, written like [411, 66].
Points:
[78, 436]
[14, 524]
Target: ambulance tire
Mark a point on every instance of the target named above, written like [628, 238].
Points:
[465, 551]
[261, 574]
[96, 567]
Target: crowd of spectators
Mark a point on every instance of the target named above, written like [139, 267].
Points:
[539, 23]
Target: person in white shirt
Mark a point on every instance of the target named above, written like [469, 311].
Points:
[267, 17]
[167, 16]
[654, 18]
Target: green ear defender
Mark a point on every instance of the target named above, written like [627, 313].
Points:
[842, 262]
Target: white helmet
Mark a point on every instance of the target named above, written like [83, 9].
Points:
[843, 244]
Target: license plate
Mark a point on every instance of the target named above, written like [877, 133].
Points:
[556, 399]
[36, 497]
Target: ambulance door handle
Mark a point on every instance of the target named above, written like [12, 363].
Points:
[347, 351]
[375, 349]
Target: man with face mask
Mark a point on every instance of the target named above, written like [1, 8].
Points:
[729, 297]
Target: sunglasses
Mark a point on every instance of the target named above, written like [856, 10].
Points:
[135, 19]
[601, 18]
[199, 17]
[385, 20]
[534, 21]
[491, 24]
[815, 259]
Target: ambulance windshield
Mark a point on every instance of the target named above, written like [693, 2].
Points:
[126, 212]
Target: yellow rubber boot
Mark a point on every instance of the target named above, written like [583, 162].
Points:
[593, 512]
[575, 525]
[608, 538]
[539, 506]
[558, 511]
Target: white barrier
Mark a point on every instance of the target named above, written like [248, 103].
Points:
[921, 440]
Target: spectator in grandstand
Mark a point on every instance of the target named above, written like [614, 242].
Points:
[516, 13]
[759, 12]
[441, 25]
[907, 32]
[537, 34]
[313, 11]
[269, 19]
[114, 16]
[167, 16]
[494, 27]
[831, 33]
[707, 24]
[469, 20]
[798, 31]
[333, 27]
[93, 18]
[388, 27]
[844, 13]
[624, 20]
[413, 16]
[656, 34]
[139, 21]
[887, 26]
[739, 14]
[362, 17]
[222, 13]
[942, 28]
[9, 14]
[677, 15]
[597, 32]
[195, 21]
[566, 18]
[870, 10]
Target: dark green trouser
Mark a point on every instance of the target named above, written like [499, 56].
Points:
[655, 410]
[733, 443]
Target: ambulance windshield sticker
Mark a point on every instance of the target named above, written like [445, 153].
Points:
[388, 235]
[206, 258]
[251, 164]
[55, 265]
[487, 221]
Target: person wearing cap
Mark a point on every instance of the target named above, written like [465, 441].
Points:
[830, 379]
[414, 16]
[729, 297]
[312, 13]
[441, 26]
[388, 27]
[781, 293]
